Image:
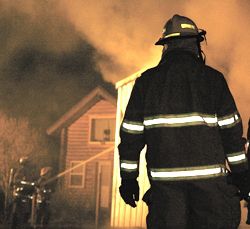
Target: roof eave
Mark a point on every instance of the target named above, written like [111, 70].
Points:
[80, 108]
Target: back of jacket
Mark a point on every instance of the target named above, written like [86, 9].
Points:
[185, 114]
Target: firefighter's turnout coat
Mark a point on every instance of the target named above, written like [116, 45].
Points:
[183, 111]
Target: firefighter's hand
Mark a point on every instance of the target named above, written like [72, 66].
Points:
[129, 191]
[242, 181]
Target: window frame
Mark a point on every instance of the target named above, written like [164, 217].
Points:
[91, 117]
[83, 174]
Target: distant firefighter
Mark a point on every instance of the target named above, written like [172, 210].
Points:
[23, 172]
[185, 114]
[23, 191]
[44, 192]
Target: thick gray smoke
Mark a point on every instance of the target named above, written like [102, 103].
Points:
[45, 65]
[124, 32]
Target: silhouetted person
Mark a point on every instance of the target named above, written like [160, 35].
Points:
[183, 111]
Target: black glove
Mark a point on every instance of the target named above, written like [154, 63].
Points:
[129, 191]
[242, 182]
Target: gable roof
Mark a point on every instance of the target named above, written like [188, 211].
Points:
[80, 108]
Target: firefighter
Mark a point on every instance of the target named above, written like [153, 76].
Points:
[23, 189]
[183, 111]
[23, 172]
[45, 174]
[43, 197]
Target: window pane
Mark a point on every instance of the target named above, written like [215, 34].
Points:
[77, 169]
[76, 180]
[103, 130]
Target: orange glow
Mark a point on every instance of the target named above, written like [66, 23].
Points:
[126, 32]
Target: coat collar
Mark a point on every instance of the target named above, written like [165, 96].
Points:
[167, 55]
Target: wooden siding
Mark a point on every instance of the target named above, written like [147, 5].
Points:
[123, 215]
[79, 149]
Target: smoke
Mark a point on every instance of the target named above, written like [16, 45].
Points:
[123, 34]
[126, 31]
[123, 30]
[45, 65]
[228, 44]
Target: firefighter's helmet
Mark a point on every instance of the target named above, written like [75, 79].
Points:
[45, 170]
[179, 27]
[23, 160]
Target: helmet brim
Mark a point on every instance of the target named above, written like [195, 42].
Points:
[200, 37]
[161, 41]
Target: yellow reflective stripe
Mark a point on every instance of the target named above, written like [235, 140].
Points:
[181, 120]
[187, 178]
[187, 26]
[183, 115]
[129, 165]
[187, 173]
[228, 121]
[133, 127]
[192, 173]
[236, 158]
[172, 35]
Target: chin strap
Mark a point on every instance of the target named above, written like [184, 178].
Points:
[201, 53]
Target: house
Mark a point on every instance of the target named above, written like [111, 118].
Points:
[87, 133]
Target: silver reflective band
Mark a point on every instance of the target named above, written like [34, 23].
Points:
[226, 122]
[237, 158]
[129, 166]
[132, 127]
[223, 122]
[187, 173]
[181, 120]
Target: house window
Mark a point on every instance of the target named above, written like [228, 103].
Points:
[77, 175]
[102, 130]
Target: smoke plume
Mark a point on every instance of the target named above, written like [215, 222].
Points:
[123, 34]
[126, 31]
[46, 67]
